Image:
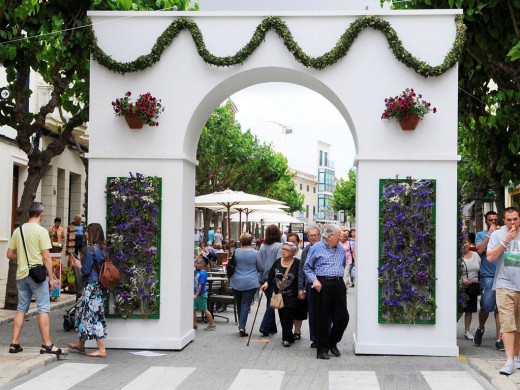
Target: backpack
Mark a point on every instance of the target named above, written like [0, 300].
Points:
[108, 273]
[231, 264]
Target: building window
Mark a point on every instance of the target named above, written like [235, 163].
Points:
[313, 211]
[326, 159]
[314, 189]
[321, 157]
[307, 188]
[301, 186]
[307, 211]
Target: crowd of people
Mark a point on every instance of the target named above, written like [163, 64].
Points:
[312, 283]
[491, 270]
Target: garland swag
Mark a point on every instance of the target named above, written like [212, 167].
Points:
[280, 27]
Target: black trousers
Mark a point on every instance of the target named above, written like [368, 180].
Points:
[287, 315]
[330, 304]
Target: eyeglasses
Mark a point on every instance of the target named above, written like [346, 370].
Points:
[314, 235]
[287, 249]
[200, 262]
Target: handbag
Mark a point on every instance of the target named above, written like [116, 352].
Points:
[277, 299]
[473, 290]
[108, 273]
[230, 266]
[37, 272]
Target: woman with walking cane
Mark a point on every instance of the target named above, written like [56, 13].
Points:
[283, 275]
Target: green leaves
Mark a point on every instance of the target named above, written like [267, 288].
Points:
[345, 195]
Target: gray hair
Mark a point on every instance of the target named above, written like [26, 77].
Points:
[313, 227]
[294, 248]
[330, 230]
[35, 209]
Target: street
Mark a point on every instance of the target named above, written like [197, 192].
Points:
[221, 360]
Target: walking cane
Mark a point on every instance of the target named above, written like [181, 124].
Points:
[317, 321]
[252, 326]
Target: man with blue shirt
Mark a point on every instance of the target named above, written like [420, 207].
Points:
[324, 268]
[487, 275]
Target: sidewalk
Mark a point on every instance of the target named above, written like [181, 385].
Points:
[484, 360]
[17, 365]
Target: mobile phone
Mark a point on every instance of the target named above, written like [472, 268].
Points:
[74, 255]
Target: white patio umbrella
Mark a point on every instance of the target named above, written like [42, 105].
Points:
[230, 198]
[269, 217]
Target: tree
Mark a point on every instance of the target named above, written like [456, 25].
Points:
[48, 38]
[229, 158]
[345, 195]
[489, 78]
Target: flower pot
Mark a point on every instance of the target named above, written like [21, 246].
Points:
[133, 121]
[410, 123]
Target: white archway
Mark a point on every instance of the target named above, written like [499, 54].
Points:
[356, 85]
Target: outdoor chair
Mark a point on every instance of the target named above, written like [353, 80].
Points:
[224, 299]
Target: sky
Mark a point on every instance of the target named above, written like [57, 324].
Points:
[266, 108]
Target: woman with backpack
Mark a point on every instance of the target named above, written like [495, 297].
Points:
[90, 319]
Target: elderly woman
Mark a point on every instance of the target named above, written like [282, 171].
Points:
[349, 250]
[244, 281]
[469, 275]
[270, 250]
[57, 235]
[283, 275]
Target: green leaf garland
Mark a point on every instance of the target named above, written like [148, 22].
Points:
[280, 27]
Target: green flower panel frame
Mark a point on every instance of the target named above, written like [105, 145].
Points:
[133, 221]
[407, 237]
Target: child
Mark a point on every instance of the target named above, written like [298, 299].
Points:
[200, 299]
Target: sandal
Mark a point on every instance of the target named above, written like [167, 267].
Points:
[297, 336]
[49, 349]
[15, 348]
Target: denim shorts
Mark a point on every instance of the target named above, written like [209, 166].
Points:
[488, 300]
[27, 287]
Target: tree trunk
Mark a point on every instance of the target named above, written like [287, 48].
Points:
[11, 292]
[479, 218]
[500, 199]
[224, 226]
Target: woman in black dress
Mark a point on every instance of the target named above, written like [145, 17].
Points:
[290, 288]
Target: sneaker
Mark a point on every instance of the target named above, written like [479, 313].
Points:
[517, 362]
[210, 327]
[478, 337]
[500, 345]
[468, 336]
[508, 368]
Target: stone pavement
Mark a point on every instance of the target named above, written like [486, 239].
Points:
[394, 372]
[17, 365]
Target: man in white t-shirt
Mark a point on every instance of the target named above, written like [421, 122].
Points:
[504, 246]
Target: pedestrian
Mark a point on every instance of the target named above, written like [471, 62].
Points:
[217, 237]
[90, 319]
[349, 252]
[301, 305]
[79, 234]
[469, 279]
[305, 286]
[352, 242]
[487, 276]
[211, 235]
[196, 239]
[32, 248]
[244, 281]
[200, 297]
[504, 247]
[270, 250]
[283, 275]
[324, 267]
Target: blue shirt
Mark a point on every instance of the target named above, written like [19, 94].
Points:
[487, 269]
[211, 234]
[201, 278]
[92, 254]
[248, 265]
[324, 261]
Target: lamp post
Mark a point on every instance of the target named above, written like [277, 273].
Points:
[262, 227]
[489, 198]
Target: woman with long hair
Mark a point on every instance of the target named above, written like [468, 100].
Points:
[270, 250]
[90, 319]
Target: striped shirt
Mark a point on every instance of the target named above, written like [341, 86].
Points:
[324, 261]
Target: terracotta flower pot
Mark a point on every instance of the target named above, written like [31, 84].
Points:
[410, 123]
[133, 121]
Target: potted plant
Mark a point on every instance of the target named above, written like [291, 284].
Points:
[407, 108]
[146, 109]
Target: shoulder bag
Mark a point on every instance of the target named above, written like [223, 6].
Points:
[231, 264]
[37, 272]
[277, 299]
[108, 273]
[473, 290]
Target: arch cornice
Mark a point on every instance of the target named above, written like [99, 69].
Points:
[279, 26]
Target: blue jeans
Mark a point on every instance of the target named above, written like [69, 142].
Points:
[243, 299]
[269, 321]
[488, 300]
[26, 288]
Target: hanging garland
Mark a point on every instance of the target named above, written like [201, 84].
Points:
[280, 27]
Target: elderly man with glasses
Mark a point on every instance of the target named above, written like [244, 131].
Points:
[325, 267]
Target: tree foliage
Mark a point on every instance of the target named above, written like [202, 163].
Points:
[229, 158]
[345, 195]
[489, 96]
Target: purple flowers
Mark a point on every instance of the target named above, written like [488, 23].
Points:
[407, 248]
[133, 235]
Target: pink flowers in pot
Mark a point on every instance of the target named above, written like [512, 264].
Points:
[146, 107]
[406, 104]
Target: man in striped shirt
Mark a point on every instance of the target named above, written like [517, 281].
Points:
[325, 267]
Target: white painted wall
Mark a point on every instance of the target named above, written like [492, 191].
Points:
[356, 86]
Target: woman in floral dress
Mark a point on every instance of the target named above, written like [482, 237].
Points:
[90, 319]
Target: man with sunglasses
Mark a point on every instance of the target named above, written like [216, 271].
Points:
[487, 275]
